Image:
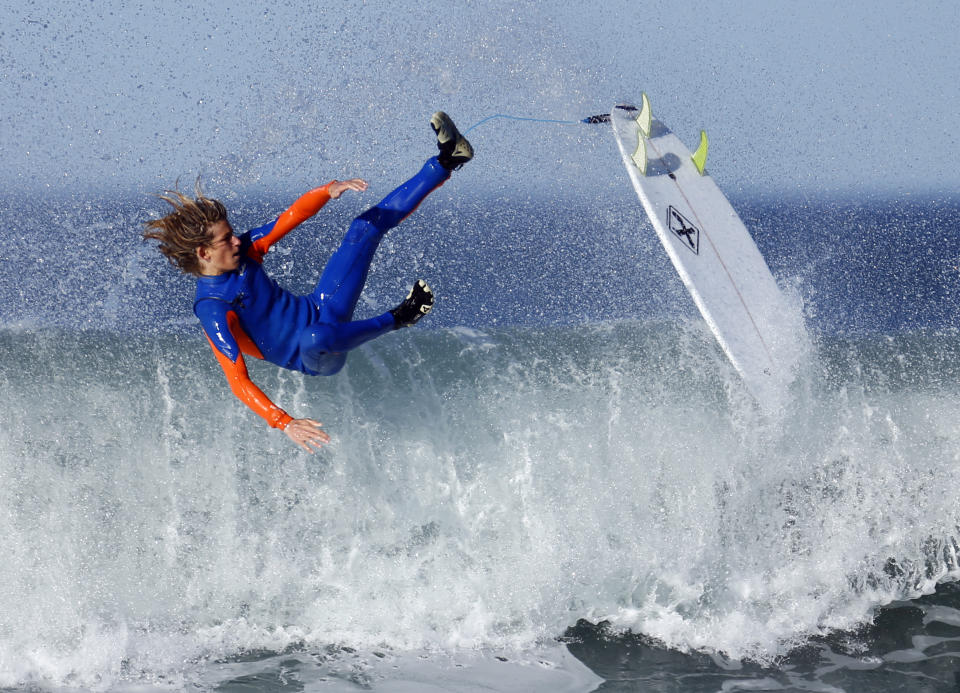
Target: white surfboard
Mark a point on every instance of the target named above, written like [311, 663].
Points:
[714, 254]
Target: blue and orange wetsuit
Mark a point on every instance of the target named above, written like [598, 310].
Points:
[247, 312]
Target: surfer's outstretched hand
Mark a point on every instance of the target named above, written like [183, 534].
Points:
[338, 187]
[306, 432]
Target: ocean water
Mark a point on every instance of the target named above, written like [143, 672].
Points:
[556, 482]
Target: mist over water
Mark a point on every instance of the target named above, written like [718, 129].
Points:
[122, 97]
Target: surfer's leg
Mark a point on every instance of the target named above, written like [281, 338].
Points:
[343, 279]
[346, 272]
[402, 202]
[324, 345]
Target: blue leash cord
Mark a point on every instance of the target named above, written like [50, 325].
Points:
[592, 119]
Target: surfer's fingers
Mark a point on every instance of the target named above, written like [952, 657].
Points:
[309, 443]
[306, 432]
[313, 434]
[299, 438]
[316, 430]
[338, 187]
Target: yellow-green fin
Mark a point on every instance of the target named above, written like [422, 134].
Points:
[645, 116]
[639, 157]
[700, 156]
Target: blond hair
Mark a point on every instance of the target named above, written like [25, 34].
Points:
[186, 228]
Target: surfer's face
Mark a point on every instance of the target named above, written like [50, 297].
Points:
[222, 253]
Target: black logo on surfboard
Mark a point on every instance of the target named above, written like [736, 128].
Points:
[682, 228]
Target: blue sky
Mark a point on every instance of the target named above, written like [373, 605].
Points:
[815, 98]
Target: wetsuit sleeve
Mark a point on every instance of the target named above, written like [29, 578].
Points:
[225, 335]
[305, 207]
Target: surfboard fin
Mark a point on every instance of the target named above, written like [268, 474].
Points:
[645, 116]
[699, 157]
[639, 157]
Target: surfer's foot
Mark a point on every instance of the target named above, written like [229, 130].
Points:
[417, 304]
[454, 148]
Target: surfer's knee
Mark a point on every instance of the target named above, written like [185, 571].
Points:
[317, 349]
[369, 224]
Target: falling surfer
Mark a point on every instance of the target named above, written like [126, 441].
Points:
[244, 311]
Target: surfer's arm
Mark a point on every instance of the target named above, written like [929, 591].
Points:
[247, 392]
[303, 432]
[224, 337]
[305, 207]
[229, 335]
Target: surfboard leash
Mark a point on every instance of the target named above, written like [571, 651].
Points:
[601, 118]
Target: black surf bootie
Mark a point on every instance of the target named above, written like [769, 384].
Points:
[417, 304]
[454, 148]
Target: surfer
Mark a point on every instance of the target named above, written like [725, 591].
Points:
[244, 311]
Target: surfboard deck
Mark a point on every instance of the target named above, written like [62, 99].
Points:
[713, 253]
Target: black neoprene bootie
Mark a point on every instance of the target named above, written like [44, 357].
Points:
[417, 304]
[455, 149]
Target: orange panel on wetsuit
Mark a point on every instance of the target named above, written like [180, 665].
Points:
[239, 379]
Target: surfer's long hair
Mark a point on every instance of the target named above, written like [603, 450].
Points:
[186, 228]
